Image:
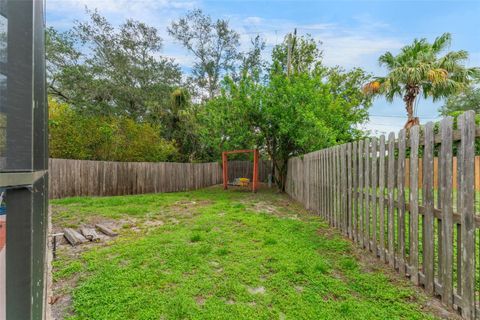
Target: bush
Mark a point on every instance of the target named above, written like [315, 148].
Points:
[76, 136]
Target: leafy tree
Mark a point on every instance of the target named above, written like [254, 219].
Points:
[252, 62]
[180, 124]
[466, 100]
[105, 70]
[304, 52]
[288, 115]
[214, 45]
[420, 70]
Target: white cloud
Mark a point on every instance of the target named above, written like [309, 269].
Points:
[351, 46]
[348, 46]
[318, 26]
[253, 20]
[119, 6]
[61, 14]
[356, 51]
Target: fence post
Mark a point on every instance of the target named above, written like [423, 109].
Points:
[414, 144]
[355, 193]
[447, 212]
[367, 195]
[428, 203]
[344, 220]
[374, 196]
[361, 239]
[466, 123]
[401, 201]
[349, 187]
[381, 200]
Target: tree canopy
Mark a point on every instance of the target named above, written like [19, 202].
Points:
[468, 99]
[214, 45]
[111, 71]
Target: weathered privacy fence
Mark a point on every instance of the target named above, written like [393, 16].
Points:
[244, 169]
[431, 238]
[71, 178]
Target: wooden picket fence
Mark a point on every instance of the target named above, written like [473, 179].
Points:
[435, 174]
[360, 188]
[76, 178]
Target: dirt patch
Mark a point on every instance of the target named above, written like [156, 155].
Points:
[262, 206]
[188, 205]
[153, 223]
[200, 300]
[327, 233]
[299, 289]
[61, 299]
[257, 290]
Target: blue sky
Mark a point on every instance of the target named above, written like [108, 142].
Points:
[353, 33]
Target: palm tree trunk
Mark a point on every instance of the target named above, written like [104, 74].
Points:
[409, 99]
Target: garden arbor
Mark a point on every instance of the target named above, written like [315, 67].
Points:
[255, 167]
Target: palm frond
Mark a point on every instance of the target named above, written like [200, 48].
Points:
[474, 73]
[441, 42]
[388, 60]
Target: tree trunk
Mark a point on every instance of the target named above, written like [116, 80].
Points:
[409, 98]
[282, 169]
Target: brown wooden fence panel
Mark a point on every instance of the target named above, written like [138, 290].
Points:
[411, 209]
[72, 178]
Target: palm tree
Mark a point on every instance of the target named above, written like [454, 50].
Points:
[420, 70]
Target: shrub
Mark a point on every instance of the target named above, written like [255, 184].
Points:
[73, 135]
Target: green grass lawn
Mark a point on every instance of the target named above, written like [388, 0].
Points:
[211, 254]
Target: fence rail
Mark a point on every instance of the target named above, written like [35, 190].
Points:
[362, 189]
[72, 178]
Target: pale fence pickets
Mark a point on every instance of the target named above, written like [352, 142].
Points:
[394, 198]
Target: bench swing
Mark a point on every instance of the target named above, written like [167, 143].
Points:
[241, 181]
